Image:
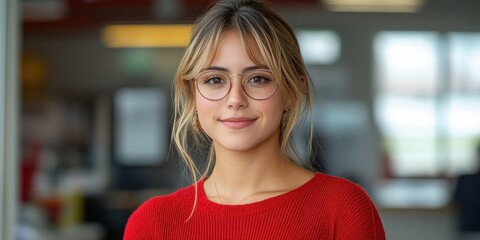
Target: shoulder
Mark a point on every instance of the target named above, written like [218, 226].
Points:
[166, 203]
[354, 212]
[337, 186]
[150, 215]
[336, 194]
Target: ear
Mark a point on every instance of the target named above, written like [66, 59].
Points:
[289, 103]
[303, 80]
[286, 106]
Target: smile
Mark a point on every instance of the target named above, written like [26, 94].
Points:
[237, 123]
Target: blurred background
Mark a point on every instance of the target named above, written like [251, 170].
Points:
[397, 108]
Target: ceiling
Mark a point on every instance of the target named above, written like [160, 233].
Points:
[89, 15]
[78, 15]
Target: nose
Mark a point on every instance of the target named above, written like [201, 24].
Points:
[236, 98]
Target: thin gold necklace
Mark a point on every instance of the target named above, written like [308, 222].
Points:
[243, 199]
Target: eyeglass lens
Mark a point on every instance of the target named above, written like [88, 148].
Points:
[215, 85]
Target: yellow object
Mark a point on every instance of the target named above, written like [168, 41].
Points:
[142, 36]
[374, 5]
[72, 210]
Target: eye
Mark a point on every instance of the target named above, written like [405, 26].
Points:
[214, 80]
[259, 80]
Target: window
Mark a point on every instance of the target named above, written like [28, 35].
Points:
[319, 46]
[427, 100]
[462, 102]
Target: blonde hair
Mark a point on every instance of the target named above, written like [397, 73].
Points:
[253, 20]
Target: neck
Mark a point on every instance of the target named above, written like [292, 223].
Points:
[238, 170]
[234, 184]
[240, 177]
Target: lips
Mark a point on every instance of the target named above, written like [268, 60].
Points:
[237, 122]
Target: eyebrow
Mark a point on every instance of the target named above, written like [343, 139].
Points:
[247, 69]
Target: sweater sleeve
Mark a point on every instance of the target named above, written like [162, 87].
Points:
[140, 223]
[357, 219]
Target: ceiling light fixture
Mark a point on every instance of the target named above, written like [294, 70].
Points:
[404, 6]
[146, 36]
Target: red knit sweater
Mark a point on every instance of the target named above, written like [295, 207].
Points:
[325, 207]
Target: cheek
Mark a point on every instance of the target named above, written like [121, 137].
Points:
[201, 102]
[277, 102]
[276, 115]
[274, 108]
[203, 107]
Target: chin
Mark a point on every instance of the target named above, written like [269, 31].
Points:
[241, 144]
[237, 147]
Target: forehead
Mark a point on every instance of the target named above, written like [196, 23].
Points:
[233, 48]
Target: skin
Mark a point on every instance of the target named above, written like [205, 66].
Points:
[250, 166]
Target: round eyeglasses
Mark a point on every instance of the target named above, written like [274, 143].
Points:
[214, 85]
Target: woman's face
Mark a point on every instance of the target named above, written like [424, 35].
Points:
[237, 122]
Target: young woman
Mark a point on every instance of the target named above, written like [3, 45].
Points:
[241, 89]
